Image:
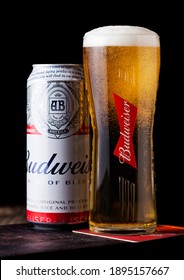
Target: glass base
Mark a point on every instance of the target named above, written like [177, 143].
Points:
[126, 229]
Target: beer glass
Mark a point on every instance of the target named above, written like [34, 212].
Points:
[121, 68]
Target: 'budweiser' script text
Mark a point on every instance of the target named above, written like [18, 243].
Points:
[54, 166]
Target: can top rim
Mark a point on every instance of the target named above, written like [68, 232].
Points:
[57, 64]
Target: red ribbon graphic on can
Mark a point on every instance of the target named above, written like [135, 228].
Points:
[126, 113]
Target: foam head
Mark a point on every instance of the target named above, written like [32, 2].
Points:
[121, 35]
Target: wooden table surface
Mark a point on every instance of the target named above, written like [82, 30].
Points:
[12, 214]
[20, 240]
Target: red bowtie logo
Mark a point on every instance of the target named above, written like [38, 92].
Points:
[127, 114]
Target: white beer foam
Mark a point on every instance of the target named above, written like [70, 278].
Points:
[121, 35]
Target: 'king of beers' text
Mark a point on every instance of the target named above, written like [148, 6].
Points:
[54, 166]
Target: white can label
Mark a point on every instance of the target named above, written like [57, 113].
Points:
[58, 179]
[58, 152]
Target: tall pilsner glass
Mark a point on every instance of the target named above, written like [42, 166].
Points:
[121, 68]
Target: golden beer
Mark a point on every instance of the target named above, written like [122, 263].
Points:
[121, 68]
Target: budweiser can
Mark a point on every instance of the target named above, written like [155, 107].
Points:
[58, 146]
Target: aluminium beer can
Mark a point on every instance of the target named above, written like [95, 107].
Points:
[58, 156]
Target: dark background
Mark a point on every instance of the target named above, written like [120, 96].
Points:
[53, 33]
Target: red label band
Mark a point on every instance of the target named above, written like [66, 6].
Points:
[32, 130]
[126, 113]
[58, 218]
[83, 130]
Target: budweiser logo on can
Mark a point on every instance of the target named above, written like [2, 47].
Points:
[58, 146]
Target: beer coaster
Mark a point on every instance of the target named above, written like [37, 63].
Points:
[163, 231]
